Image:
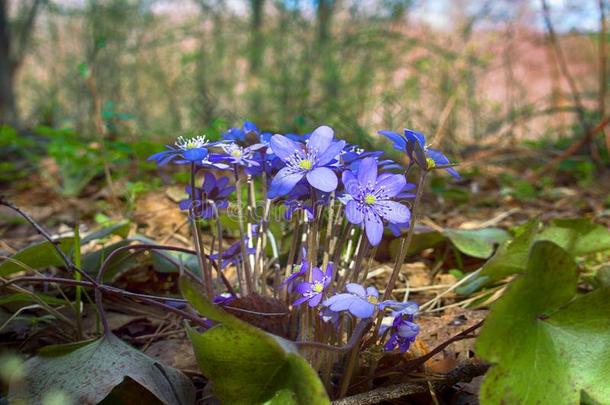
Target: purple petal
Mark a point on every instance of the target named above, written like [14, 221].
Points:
[340, 302]
[374, 228]
[320, 139]
[300, 300]
[399, 142]
[315, 300]
[393, 211]
[367, 172]
[351, 183]
[414, 136]
[195, 154]
[284, 181]
[391, 185]
[361, 309]
[284, 148]
[303, 287]
[317, 274]
[331, 152]
[356, 289]
[372, 291]
[353, 213]
[323, 179]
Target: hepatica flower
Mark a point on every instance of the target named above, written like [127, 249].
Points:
[414, 144]
[212, 192]
[403, 333]
[232, 255]
[241, 156]
[311, 161]
[370, 199]
[358, 301]
[312, 292]
[191, 150]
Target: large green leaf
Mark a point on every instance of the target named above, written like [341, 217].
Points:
[477, 242]
[578, 236]
[545, 346]
[510, 258]
[247, 365]
[89, 373]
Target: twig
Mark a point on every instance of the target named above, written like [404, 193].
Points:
[462, 373]
[68, 262]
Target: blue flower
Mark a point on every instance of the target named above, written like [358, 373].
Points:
[404, 332]
[241, 156]
[311, 161]
[247, 134]
[192, 150]
[312, 292]
[232, 255]
[414, 143]
[302, 270]
[212, 192]
[297, 201]
[357, 301]
[369, 201]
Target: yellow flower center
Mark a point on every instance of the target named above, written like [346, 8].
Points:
[431, 163]
[372, 299]
[236, 153]
[369, 199]
[305, 164]
[317, 287]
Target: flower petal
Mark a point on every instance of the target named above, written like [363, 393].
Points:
[351, 183]
[390, 186]
[317, 274]
[284, 181]
[320, 139]
[361, 309]
[414, 136]
[399, 142]
[315, 300]
[367, 172]
[356, 289]
[340, 302]
[393, 211]
[331, 152]
[323, 179]
[373, 227]
[284, 148]
[353, 213]
[372, 291]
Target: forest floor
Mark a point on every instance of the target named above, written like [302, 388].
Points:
[488, 196]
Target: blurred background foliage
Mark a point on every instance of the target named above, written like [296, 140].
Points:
[98, 85]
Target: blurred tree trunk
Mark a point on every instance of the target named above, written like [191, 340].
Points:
[13, 44]
[603, 79]
[255, 57]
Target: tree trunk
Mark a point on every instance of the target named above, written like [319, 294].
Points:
[8, 107]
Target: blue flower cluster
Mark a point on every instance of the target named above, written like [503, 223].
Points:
[304, 170]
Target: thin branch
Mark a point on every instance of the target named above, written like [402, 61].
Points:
[463, 373]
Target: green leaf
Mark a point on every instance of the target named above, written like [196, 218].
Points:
[247, 365]
[88, 373]
[23, 297]
[37, 256]
[42, 254]
[121, 229]
[578, 236]
[558, 345]
[477, 242]
[510, 258]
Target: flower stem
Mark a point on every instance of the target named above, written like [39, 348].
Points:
[404, 247]
[203, 263]
[246, 284]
